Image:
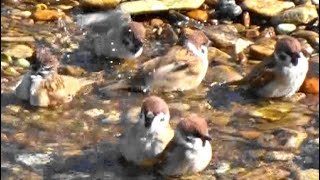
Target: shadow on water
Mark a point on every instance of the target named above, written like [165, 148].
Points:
[102, 162]
[222, 97]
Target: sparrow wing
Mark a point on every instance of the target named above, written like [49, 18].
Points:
[260, 75]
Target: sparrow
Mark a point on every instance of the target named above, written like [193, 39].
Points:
[182, 68]
[280, 75]
[42, 86]
[142, 143]
[189, 151]
[113, 34]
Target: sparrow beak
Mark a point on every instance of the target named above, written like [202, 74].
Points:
[294, 58]
[205, 138]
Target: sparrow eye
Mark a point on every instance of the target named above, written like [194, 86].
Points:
[282, 57]
[203, 49]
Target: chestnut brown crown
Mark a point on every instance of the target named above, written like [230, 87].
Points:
[155, 105]
[194, 125]
[197, 37]
[289, 45]
[45, 57]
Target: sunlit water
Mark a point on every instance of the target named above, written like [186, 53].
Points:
[84, 147]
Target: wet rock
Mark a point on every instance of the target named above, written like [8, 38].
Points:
[240, 28]
[10, 71]
[100, 3]
[94, 112]
[309, 174]
[286, 28]
[279, 156]
[298, 15]
[250, 134]
[72, 70]
[17, 39]
[223, 36]
[132, 115]
[199, 15]
[282, 139]
[4, 65]
[216, 55]
[222, 167]
[111, 117]
[47, 15]
[156, 22]
[144, 6]
[274, 171]
[179, 107]
[306, 47]
[19, 51]
[4, 138]
[6, 59]
[228, 9]
[262, 48]
[252, 33]
[310, 36]
[268, 8]
[22, 63]
[273, 112]
[212, 2]
[268, 33]
[246, 19]
[309, 156]
[223, 73]
[14, 108]
[34, 160]
[24, 14]
[310, 85]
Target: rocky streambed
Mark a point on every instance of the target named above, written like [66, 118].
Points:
[252, 138]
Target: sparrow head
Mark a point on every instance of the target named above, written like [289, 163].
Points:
[196, 41]
[133, 37]
[46, 62]
[193, 130]
[154, 113]
[288, 52]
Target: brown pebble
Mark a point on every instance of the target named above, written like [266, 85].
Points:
[47, 15]
[156, 22]
[199, 15]
[268, 32]
[242, 58]
[246, 19]
[252, 33]
[310, 85]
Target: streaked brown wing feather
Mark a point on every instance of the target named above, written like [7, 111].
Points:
[260, 75]
[262, 79]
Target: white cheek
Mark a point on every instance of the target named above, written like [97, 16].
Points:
[159, 122]
[197, 52]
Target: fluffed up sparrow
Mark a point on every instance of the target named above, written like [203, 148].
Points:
[113, 34]
[281, 75]
[189, 151]
[42, 86]
[145, 141]
[182, 68]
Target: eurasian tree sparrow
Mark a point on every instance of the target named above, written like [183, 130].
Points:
[43, 86]
[113, 34]
[281, 75]
[182, 68]
[190, 150]
[143, 142]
